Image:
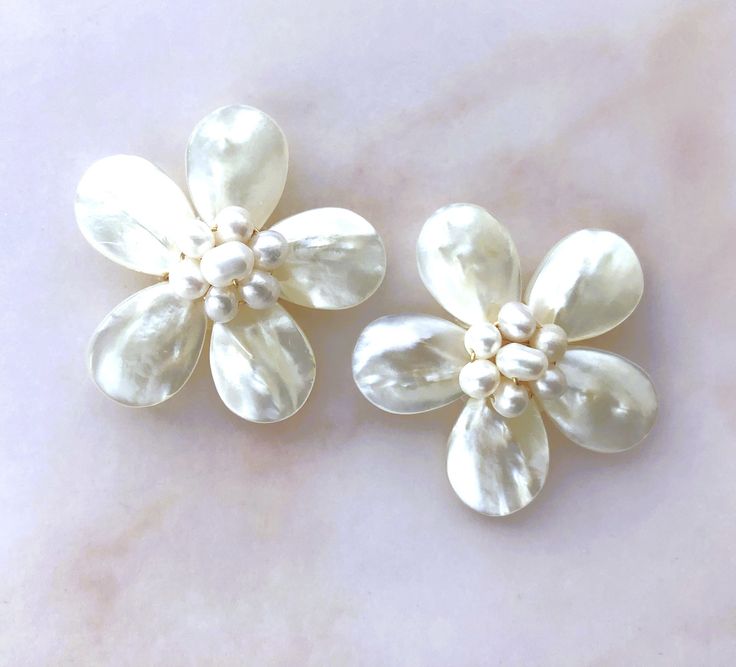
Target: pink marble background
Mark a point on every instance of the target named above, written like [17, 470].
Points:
[181, 535]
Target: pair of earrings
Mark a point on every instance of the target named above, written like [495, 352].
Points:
[509, 358]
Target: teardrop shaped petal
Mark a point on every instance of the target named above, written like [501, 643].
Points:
[468, 262]
[497, 465]
[610, 404]
[144, 351]
[262, 364]
[336, 259]
[410, 363]
[589, 282]
[128, 209]
[237, 156]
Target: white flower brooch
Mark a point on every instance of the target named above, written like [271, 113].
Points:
[216, 265]
[510, 359]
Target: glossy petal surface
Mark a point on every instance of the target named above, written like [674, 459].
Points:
[610, 404]
[588, 283]
[336, 259]
[497, 465]
[237, 156]
[144, 351]
[262, 364]
[410, 363]
[128, 209]
[468, 262]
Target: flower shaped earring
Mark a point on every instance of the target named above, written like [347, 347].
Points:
[216, 265]
[510, 359]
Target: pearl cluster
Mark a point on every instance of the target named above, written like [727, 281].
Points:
[228, 264]
[511, 357]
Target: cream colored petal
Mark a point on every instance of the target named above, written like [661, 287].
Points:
[497, 465]
[589, 282]
[144, 351]
[237, 156]
[262, 364]
[128, 209]
[468, 262]
[610, 404]
[336, 259]
[410, 363]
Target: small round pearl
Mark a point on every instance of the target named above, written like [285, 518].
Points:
[226, 263]
[479, 378]
[510, 399]
[260, 291]
[270, 249]
[194, 238]
[550, 339]
[551, 385]
[521, 362]
[483, 340]
[516, 321]
[186, 279]
[233, 224]
[221, 304]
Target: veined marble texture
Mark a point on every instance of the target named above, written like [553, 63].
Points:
[181, 535]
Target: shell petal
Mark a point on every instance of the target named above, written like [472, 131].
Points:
[410, 363]
[336, 259]
[262, 364]
[144, 351]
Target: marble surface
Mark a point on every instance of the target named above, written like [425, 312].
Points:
[181, 535]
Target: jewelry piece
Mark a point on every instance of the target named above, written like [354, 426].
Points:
[509, 358]
[219, 266]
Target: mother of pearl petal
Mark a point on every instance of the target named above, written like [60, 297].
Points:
[409, 363]
[497, 465]
[609, 405]
[147, 347]
[588, 283]
[129, 210]
[336, 259]
[468, 262]
[262, 364]
[237, 156]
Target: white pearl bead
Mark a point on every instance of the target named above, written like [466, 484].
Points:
[516, 321]
[221, 304]
[270, 249]
[260, 291]
[194, 238]
[552, 384]
[233, 224]
[479, 378]
[186, 279]
[510, 399]
[550, 339]
[226, 263]
[521, 362]
[483, 340]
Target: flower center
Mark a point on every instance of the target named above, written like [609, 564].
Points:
[513, 357]
[229, 264]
